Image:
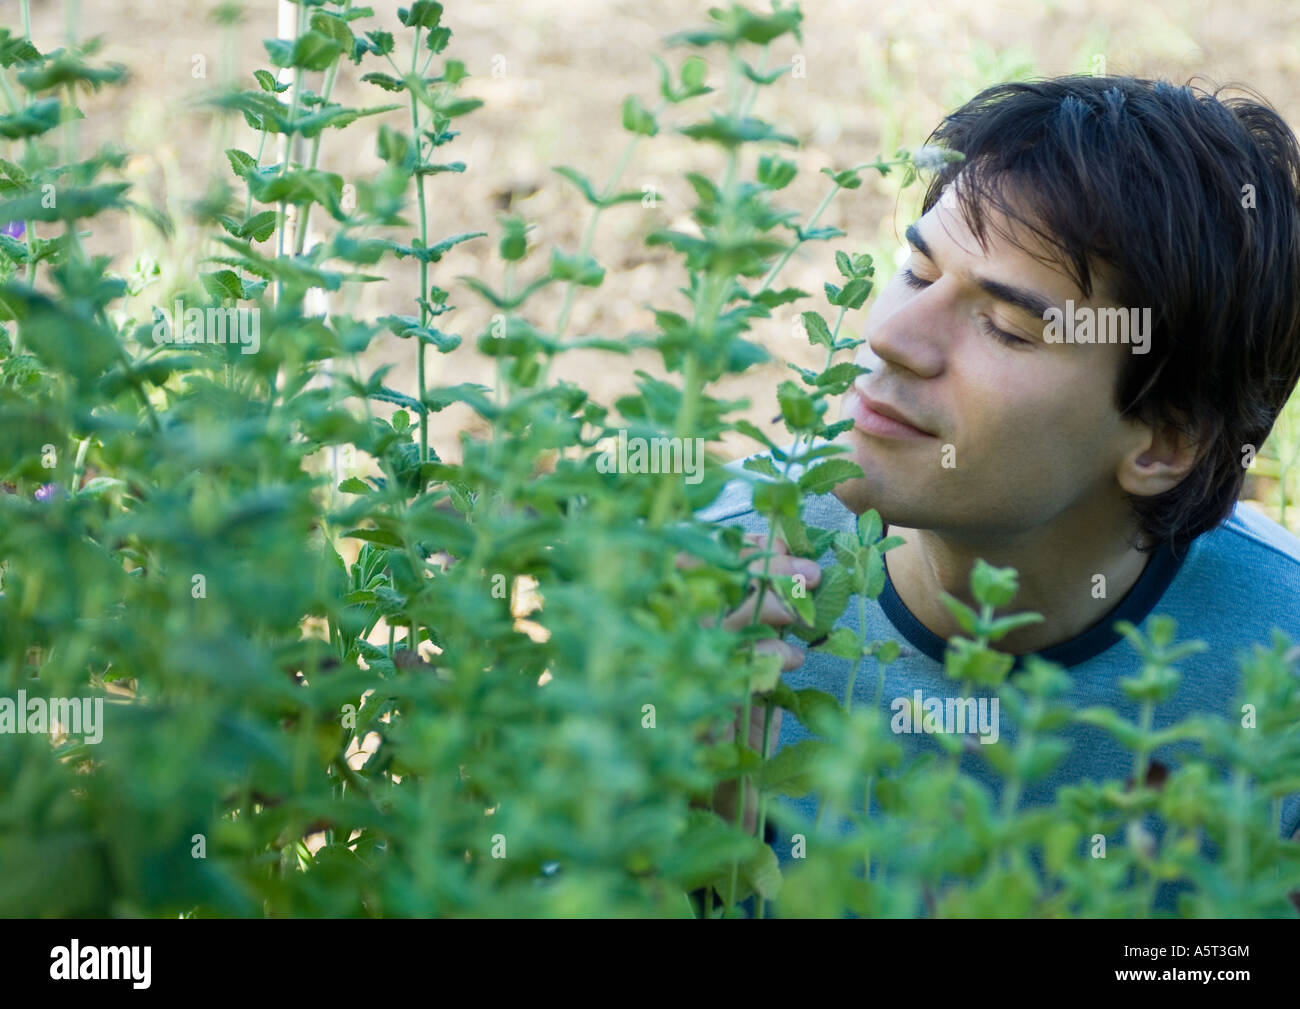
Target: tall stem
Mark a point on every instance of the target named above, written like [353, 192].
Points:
[330, 75]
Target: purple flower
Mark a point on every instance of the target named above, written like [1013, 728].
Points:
[48, 491]
[14, 229]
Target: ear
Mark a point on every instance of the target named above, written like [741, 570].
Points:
[1157, 461]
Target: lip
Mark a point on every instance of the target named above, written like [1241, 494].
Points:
[870, 416]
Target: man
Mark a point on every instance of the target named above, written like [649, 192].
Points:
[1008, 415]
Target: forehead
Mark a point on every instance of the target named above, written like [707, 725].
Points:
[1015, 249]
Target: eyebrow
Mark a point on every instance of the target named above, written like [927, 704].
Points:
[1020, 297]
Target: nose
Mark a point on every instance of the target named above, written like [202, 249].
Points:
[906, 332]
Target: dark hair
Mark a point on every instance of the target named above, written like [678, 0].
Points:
[1148, 178]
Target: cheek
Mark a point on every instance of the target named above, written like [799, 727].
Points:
[1034, 429]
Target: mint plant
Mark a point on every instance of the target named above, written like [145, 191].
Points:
[494, 686]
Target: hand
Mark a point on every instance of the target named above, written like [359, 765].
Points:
[775, 614]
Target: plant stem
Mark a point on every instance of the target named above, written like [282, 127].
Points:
[424, 263]
[584, 249]
[862, 645]
[785, 256]
[79, 465]
[762, 798]
[330, 75]
[692, 386]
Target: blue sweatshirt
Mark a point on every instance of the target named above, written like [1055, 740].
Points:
[1233, 585]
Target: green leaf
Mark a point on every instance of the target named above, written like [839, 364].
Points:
[71, 204]
[514, 242]
[380, 536]
[847, 179]
[838, 378]
[259, 227]
[406, 327]
[240, 163]
[385, 81]
[453, 107]
[797, 406]
[1156, 684]
[1003, 626]
[761, 464]
[583, 270]
[65, 69]
[335, 117]
[968, 660]
[765, 672]
[778, 497]
[381, 43]
[818, 234]
[16, 50]
[764, 79]
[268, 82]
[775, 172]
[802, 605]
[820, 479]
[819, 334]
[270, 185]
[875, 574]
[869, 527]
[637, 118]
[223, 285]
[39, 117]
[966, 618]
[747, 428]
[993, 586]
[774, 299]
[843, 643]
[1126, 733]
[334, 27]
[790, 771]
[886, 651]
[855, 292]
[731, 132]
[581, 181]
[309, 51]
[100, 486]
[817, 710]
[422, 14]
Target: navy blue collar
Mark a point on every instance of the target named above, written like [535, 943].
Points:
[1137, 603]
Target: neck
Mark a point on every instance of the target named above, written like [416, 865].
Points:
[1058, 568]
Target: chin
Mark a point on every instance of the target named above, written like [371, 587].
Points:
[863, 492]
[872, 490]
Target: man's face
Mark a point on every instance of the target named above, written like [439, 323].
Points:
[1020, 434]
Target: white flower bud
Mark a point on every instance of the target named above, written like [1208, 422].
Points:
[932, 158]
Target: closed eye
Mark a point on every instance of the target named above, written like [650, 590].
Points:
[912, 280]
[1001, 335]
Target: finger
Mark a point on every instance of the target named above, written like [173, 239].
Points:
[778, 563]
[760, 540]
[757, 543]
[774, 613]
[791, 657]
[788, 566]
[756, 715]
